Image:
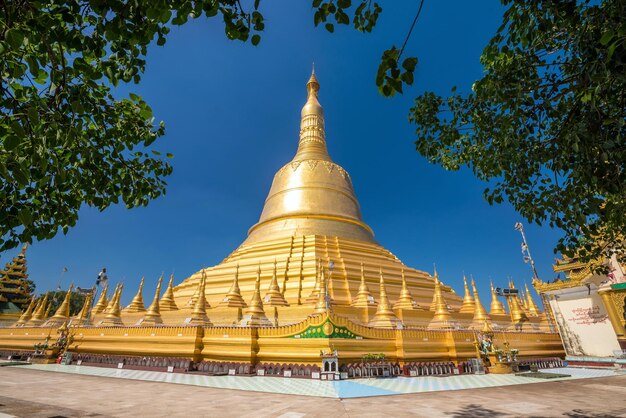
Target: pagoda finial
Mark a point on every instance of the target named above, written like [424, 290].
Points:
[113, 314]
[496, 308]
[233, 298]
[40, 312]
[153, 316]
[480, 314]
[199, 316]
[24, 248]
[136, 305]
[468, 301]
[102, 301]
[363, 297]
[314, 296]
[442, 318]
[532, 306]
[82, 318]
[28, 313]
[405, 300]
[384, 317]
[255, 315]
[62, 314]
[167, 302]
[274, 297]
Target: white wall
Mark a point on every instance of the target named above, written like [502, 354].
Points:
[583, 323]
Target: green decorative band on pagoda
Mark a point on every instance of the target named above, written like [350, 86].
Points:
[327, 330]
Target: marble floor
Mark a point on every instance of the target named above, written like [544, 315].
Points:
[40, 393]
[354, 388]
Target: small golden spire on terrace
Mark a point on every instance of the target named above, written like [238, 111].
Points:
[113, 314]
[363, 297]
[28, 313]
[199, 316]
[442, 318]
[82, 318]
[480, 314]
[113, 299]
[323, 298]
[167, 302]
[101, 305]
[233, 298]
[532, 306]
[255, 315]
[40, 313]
[274, 297]
[136, 305]
[153, 316]
[405, 300]
[63, 312]
[517, 314]
[384, 317]
[468, 301]
[496, 308]
[314, 296]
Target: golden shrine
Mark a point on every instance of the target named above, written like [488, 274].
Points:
[309, 280]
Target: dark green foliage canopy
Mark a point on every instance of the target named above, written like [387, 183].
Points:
[545, 125]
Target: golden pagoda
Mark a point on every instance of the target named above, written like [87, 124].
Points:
[303, 261]
[468, 300]
[15, 288]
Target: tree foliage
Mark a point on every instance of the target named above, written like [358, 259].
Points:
[65, 140]
[545, 124]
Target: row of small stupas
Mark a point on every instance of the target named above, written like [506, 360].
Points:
[233, 309]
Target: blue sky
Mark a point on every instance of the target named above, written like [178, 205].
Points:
[232, 117]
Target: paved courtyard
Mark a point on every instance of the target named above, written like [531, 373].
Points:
[36, 392]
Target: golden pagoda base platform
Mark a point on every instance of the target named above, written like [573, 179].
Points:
[245, 348]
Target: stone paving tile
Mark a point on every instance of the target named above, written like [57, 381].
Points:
[33, 393]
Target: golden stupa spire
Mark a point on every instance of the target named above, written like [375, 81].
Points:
[517, 313]
[323, 298]
[233, 298]
[136, 305]
[153, 316]
[39, 314]
[27, 314]
[82, 318]
[274, 297]
[255, 315]
[480, 313]
[62, 314]
[405, 300]
[102, 301]
[496, 308]
[112, 300]
[532, 306]
[433, 303]
[363, 297]
[442, 318]
[314, 296]
[199, 316]
[468, 301]
[113, 314]
[384, 317]
[167, 302]
[311, 194]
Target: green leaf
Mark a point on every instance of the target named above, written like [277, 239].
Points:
[14, 38]
[11, 142]
[255, 39]
[330, 27]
